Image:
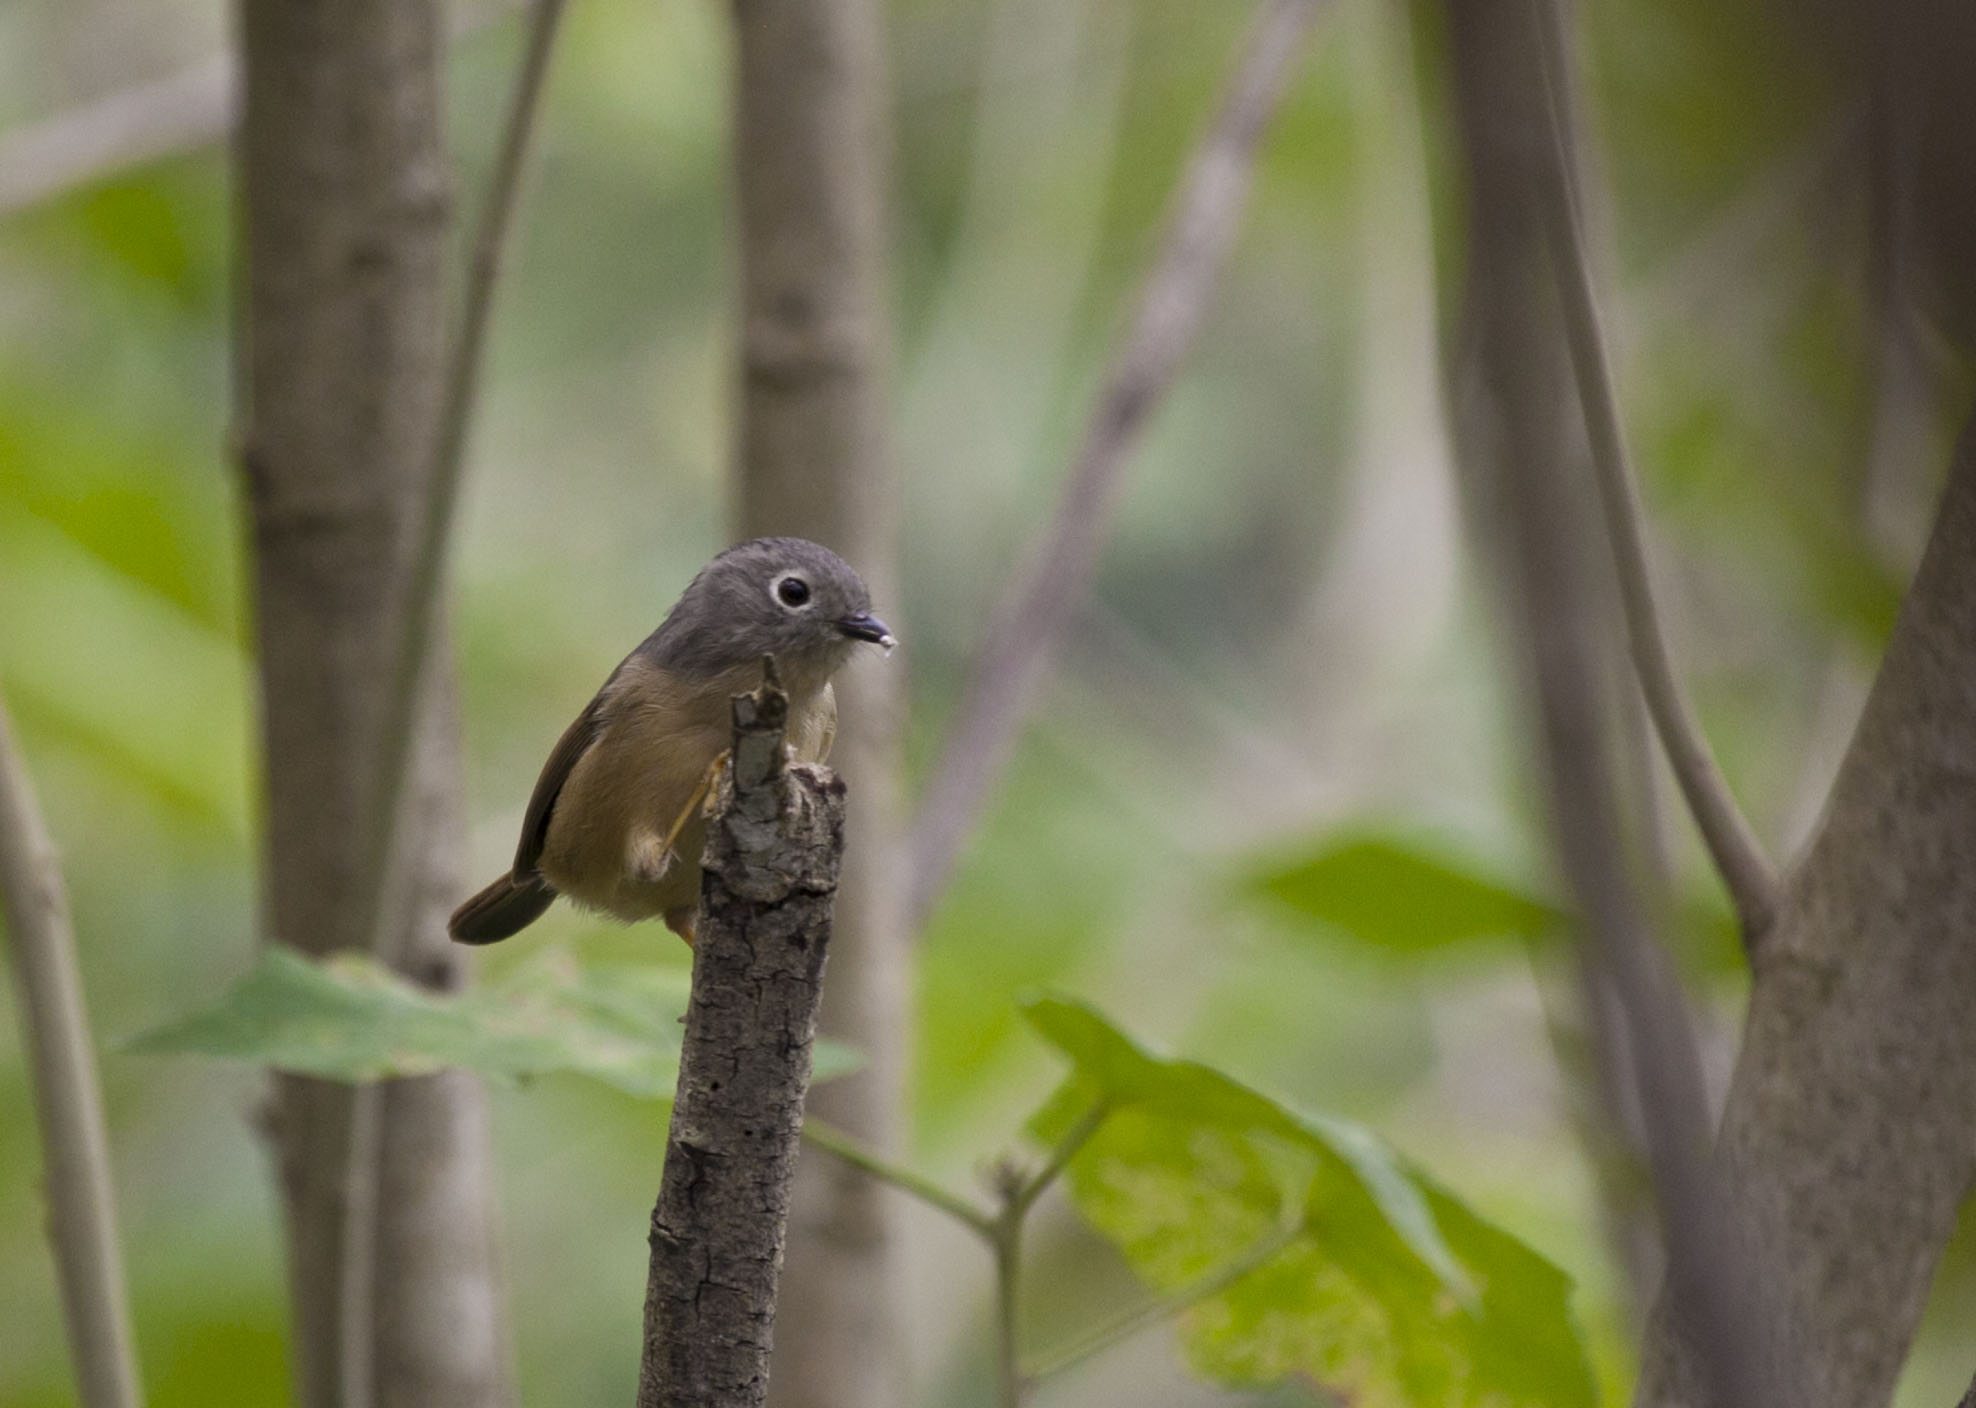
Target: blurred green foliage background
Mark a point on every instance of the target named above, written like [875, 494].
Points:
[1289, 636]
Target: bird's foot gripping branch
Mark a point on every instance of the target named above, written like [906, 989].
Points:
[771, 863]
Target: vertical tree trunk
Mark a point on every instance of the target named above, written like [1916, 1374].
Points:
[811, 156]
[344, 200]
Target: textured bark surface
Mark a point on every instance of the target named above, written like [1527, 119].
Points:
[814, 459]
[771, 868]
[344, 196]
[1849, 1135]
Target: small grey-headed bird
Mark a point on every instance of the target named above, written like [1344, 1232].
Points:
[615, 822]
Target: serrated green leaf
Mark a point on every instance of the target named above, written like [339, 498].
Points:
[1392, 1292]
[1403, 896]
[350, 1018]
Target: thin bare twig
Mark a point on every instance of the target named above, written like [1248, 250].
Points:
[75, 1149]
[1026, 629]
[1731, 842]
[428, 558]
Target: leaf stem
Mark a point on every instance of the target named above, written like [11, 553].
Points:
[860, 1155]
[1001, 1230]
[1025, 1193]
[1163, 1307]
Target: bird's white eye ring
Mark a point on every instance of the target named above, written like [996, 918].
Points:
[793, 592]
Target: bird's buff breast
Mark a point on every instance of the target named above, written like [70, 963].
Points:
[636, 786]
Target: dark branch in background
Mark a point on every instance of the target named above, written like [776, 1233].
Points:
[1024, 633]
[68, 1100]
[421, 606]
[772, 859]
[1517, 457]
[1731, 843]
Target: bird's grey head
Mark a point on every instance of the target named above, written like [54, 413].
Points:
[786, 597]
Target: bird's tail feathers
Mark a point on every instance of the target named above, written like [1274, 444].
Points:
[506, 907]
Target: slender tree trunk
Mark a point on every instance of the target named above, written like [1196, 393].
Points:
[344, 200]
[811, 159]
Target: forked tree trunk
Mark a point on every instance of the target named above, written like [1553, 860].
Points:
[1848, 1140]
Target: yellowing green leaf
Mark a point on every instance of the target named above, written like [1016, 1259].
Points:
[1390, 1291]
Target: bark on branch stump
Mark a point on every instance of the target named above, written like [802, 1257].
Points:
[765, 907]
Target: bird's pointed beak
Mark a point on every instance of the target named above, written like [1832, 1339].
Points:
[866, 626]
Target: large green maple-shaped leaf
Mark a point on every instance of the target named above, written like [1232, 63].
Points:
[350, 1018]
[1385, 1289]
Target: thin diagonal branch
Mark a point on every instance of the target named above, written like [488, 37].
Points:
[1026, 629]
[82, 1222]
[1731, 842]
[421, 604]
[101, 139]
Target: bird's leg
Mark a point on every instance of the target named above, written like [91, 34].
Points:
[703, 797]
[647, 854]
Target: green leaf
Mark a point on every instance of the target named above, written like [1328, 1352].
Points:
[1392, 1292]
[350, 1018]
[1401, 896]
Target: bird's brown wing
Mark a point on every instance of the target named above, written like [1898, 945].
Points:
[576, 740]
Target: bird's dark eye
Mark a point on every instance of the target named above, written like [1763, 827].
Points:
[792, 591]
